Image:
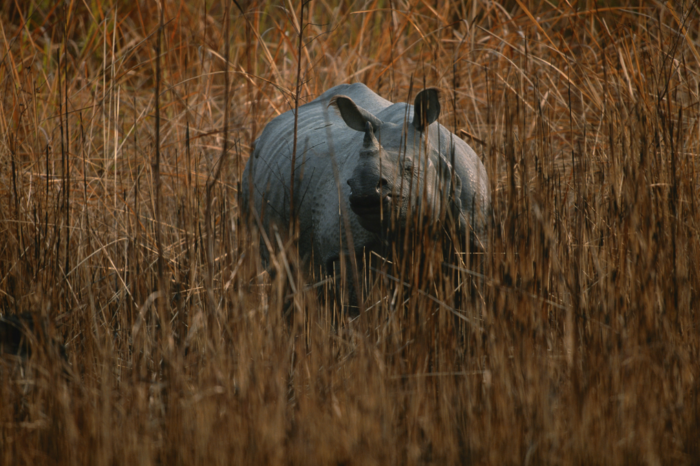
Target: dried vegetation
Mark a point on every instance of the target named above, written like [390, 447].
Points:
[121, 238]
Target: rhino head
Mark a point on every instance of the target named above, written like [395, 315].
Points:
[398, 170]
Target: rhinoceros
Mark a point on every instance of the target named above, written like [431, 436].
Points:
[374, 162]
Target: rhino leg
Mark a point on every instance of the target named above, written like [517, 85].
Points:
[346, 292]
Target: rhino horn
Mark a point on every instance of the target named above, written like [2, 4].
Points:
[426, 108]
[369, 143]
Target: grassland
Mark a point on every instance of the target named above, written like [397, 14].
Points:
[122, 141]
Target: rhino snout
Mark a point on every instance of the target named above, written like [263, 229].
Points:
[368, 200]
[363, 205]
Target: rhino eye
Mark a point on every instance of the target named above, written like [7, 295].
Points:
[409, 169]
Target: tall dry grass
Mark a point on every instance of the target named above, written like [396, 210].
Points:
[121, 234]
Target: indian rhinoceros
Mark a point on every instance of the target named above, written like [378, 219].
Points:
[376, 162]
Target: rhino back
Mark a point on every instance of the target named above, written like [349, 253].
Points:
[320, 132]
[270, 165]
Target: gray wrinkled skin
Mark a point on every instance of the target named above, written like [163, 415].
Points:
[383, 174]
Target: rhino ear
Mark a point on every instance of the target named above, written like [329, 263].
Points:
[354, 116]
[426, 108]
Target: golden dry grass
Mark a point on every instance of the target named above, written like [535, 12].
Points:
[580, 346]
